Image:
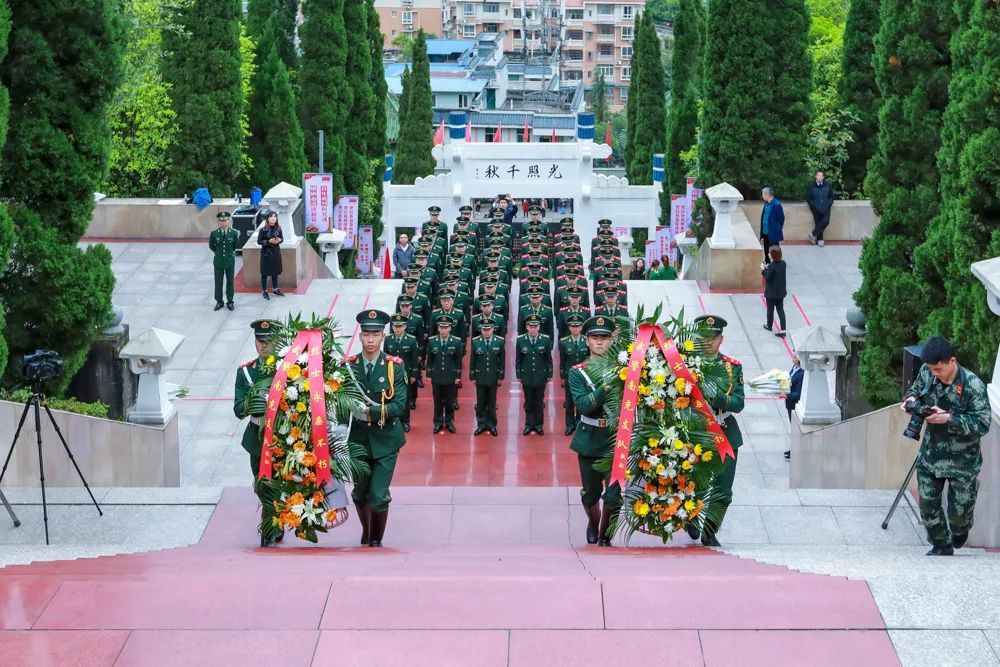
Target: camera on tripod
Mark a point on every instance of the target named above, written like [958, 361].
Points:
[41, 365]
[918, 411]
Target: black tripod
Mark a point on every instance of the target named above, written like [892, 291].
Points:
[904, 492]
[38, 401]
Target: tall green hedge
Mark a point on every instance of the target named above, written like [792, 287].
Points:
[858, 89]
[416, 136]
[757, 85]
[376, 142]
[912, 69]
[967, 229]
[650, 117]
[6, 225]
[357, 168]
[62, 66]
[685, 90]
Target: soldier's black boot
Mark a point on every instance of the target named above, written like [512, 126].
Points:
[945, 550]
[379, 519]
[607, 516]
[593, 521]
[364, 516]
[693, 532]
[958, 540]
[708, 539]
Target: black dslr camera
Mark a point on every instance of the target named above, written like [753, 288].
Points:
[918, 411]
[41, 365]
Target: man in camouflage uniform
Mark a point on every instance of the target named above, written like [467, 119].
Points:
[950, 451]
[592, 440]
[726, 404]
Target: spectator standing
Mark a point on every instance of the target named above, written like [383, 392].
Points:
[655, 272]
[269, 238]
[772, 222]
[820, 198]
[402, 256]
[669, 272]
[794, 392]
[638, 269]
[775, 289]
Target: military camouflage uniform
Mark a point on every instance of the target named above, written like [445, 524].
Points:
[950, 452]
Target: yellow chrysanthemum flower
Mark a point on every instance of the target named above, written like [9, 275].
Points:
[686, 465]
[644, 390]
[707, 456]
[653, 442]
[679, 385]
[660, 468]
[659, 378]
[697, 450]
[641, 508]
[679, 445]
[300, 407]
[270, 360]
[690, 505]
[689, 346]
[631, 347]
[294, 372]
[305, 385]
[622, 374]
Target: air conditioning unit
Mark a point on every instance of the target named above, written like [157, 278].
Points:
[407, 3]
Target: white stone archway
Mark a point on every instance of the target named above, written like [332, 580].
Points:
[524, 170]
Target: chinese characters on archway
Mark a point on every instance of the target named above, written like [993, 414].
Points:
[513, 171]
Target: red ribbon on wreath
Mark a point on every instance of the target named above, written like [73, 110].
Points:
[649, 333]
[310, 340]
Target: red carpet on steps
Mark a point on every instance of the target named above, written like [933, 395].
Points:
[469, 577]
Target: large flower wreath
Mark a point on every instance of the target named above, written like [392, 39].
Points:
[307, 396]
[668, 447]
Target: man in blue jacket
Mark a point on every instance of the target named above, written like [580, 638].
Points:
[772, 223]
[794, 392]
[820, 199]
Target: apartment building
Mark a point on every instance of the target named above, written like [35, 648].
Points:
[406, 17]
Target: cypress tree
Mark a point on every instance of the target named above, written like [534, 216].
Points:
[282, 13]
[631, 105]
[203, 69]
[912, 69]
[598, 98]
[968, 227]
[61, 70]
[6, 226]
[858, 90]
[357, 165]
[326, 95]
[276, 144]
[685, 85]
[377, 129]
[414, 158]
[756, 92]
[650, 129]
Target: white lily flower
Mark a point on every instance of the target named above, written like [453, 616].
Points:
[623, 357]
[283, 351]
[293, 393]
[303, 358]
[653, 460]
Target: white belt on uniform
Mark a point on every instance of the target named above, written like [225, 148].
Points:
[255, 421]
[599, 423]
[723, 416]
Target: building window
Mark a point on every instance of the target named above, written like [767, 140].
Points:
[407, 17]
[626, 73]
[394, 33]
[605, 10]
[573, 75]
[574, 56]
[434, 101]
[606, 30]
[491, 27]
[470, 9]
[574, 34]
[623, 94]
[393, 13]
[574, 15]
[517, 13]
[626, 53]
[628, 12]
[469, 30]
[627, 32]
[517, 33]
[463, 101]
[607, 70]
[606, 51]
[491, 7]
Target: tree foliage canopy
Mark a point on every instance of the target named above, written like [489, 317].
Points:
[416, 133]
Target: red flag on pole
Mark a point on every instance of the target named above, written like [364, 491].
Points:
[468, 132]
[387, 264]
[439, 135]
[496, 136]
[553, 131]
[607, 139]
[527, 131]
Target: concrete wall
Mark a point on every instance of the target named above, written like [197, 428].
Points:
[730, 268]
[155, 219]
[109, 453]
[870, 452]
[849, 220]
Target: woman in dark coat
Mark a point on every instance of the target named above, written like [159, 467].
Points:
[775, 289]
[638, 270]
[269, 239]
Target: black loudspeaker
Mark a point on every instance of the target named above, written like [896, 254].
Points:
[911, 365]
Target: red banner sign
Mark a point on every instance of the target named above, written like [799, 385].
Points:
[630, 397]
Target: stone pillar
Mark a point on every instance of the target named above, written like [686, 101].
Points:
[988, 272]
[848, 383]
[149, 354]
[725, 201]
[817, 348]
[986, 530]
[330, 244]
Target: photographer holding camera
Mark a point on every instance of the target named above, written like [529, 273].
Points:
[953, 403]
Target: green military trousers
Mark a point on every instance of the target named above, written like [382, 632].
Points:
[962, 492]
[595, 483]
[373, 489]
[226, 272]
[723, 488]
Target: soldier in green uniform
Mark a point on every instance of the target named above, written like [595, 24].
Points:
[404, 346]
[611, 306]
[486, 369]
[382, 378]
[223, 243]
[458, 322]
[726, 404]
[573, 350]
[536, 307]
[444, 370]
[489, 288]
[533, 362]
[487, 312]
[959, 415]
[592, 440]
[574, 294]
[253, 435]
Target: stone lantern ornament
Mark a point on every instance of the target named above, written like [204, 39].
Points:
[283, 199]
[988, 273]
[725, 200]
[330, 243]
[817, 349]
[149, 354]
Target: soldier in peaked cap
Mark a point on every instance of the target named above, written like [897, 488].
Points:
[486, 369]
[244, 406]
[592, 438]
[403, 345]
[223, 243]
[725, 404]
[536, 308]
[487, 311]
[572, 351]
[533, 362]
[575, 308]
[382, 379]
[444, 370]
